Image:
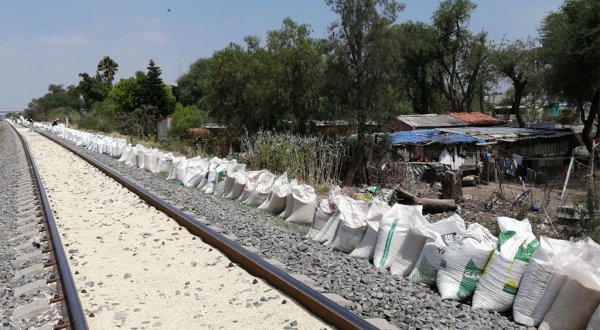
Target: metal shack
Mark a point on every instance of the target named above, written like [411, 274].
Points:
[538, 148]
[458, 151]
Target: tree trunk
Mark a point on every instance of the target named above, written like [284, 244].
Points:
[451, 185]
[516, 106]
[429, 205]
[589, 122]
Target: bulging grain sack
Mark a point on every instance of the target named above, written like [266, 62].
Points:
[392, 231]
[289, 201]
[151, 160]
[178, 168]
[441, 235]
[574, 305]
[323, 212]
[352, 226]
[213, 173]
[304, 201]
[275, 202]
[365, 249]
[464, 261]
[238, 185]
[541, 282]
[579, 296]
[409, 251]
[223, 183]
[125, 154]
[500, 280]
[141, 156]
[595, 320]
[262, 189]
[196, 169]
[132, 156]
[165, 162]
[251, 181]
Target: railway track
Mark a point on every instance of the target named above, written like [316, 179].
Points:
[43, 281]
[130, 224]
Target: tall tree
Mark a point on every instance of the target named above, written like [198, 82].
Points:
[517, 61]
[107, 69]
[570, 41]
[415, 54]
[360, 33]
[297, 69]
[156, 92]
[190, 85]
[91, 90]
[461, 55]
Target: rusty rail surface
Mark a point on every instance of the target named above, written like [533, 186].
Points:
[76, 317]
[315, 302]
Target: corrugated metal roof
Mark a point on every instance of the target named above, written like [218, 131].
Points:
[476, 118]
[425, 136]
[431, 121]
[507, 134]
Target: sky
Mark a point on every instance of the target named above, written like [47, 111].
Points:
[50, 42]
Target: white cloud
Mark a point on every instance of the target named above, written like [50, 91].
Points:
[74, 40]
[148, 23]
[147, 37]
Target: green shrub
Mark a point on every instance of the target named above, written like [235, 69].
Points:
[102, 117]
[184, 118]
[313, 160]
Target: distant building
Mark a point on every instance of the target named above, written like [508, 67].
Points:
[455, 119]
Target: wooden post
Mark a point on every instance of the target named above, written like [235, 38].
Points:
[567, 180]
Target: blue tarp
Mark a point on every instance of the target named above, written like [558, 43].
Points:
[425, 136]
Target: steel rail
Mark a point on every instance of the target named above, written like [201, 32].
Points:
[75, 312]
[315, 302]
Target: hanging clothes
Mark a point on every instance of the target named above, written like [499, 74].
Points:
[518, 159]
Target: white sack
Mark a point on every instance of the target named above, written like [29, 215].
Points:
[209, 186]
[327, 233]
[151, 161]
[579, 297]
[392, 230]
[178, 169]
[262, 189]
[352, 226]
[365, 248]
[275, 202]
[251, 182]
[464, 261]
[541, 282]
[141, 157]
[595, 320]
[441, 235]
[239, 182]
[165, 162]
[409, 251]
[196, 170]
[289, 201]
[500, 280]
[132, 156]
[222, 185]
[304, 201]
[125, 154]
[323, 212]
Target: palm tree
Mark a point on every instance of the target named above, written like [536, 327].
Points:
[107, 68]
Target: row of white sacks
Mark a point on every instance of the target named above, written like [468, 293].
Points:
[553, 284]
[221, 177]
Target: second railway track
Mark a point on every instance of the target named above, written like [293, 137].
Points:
[136, 267]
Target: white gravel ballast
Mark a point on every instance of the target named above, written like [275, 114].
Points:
[136, 268]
